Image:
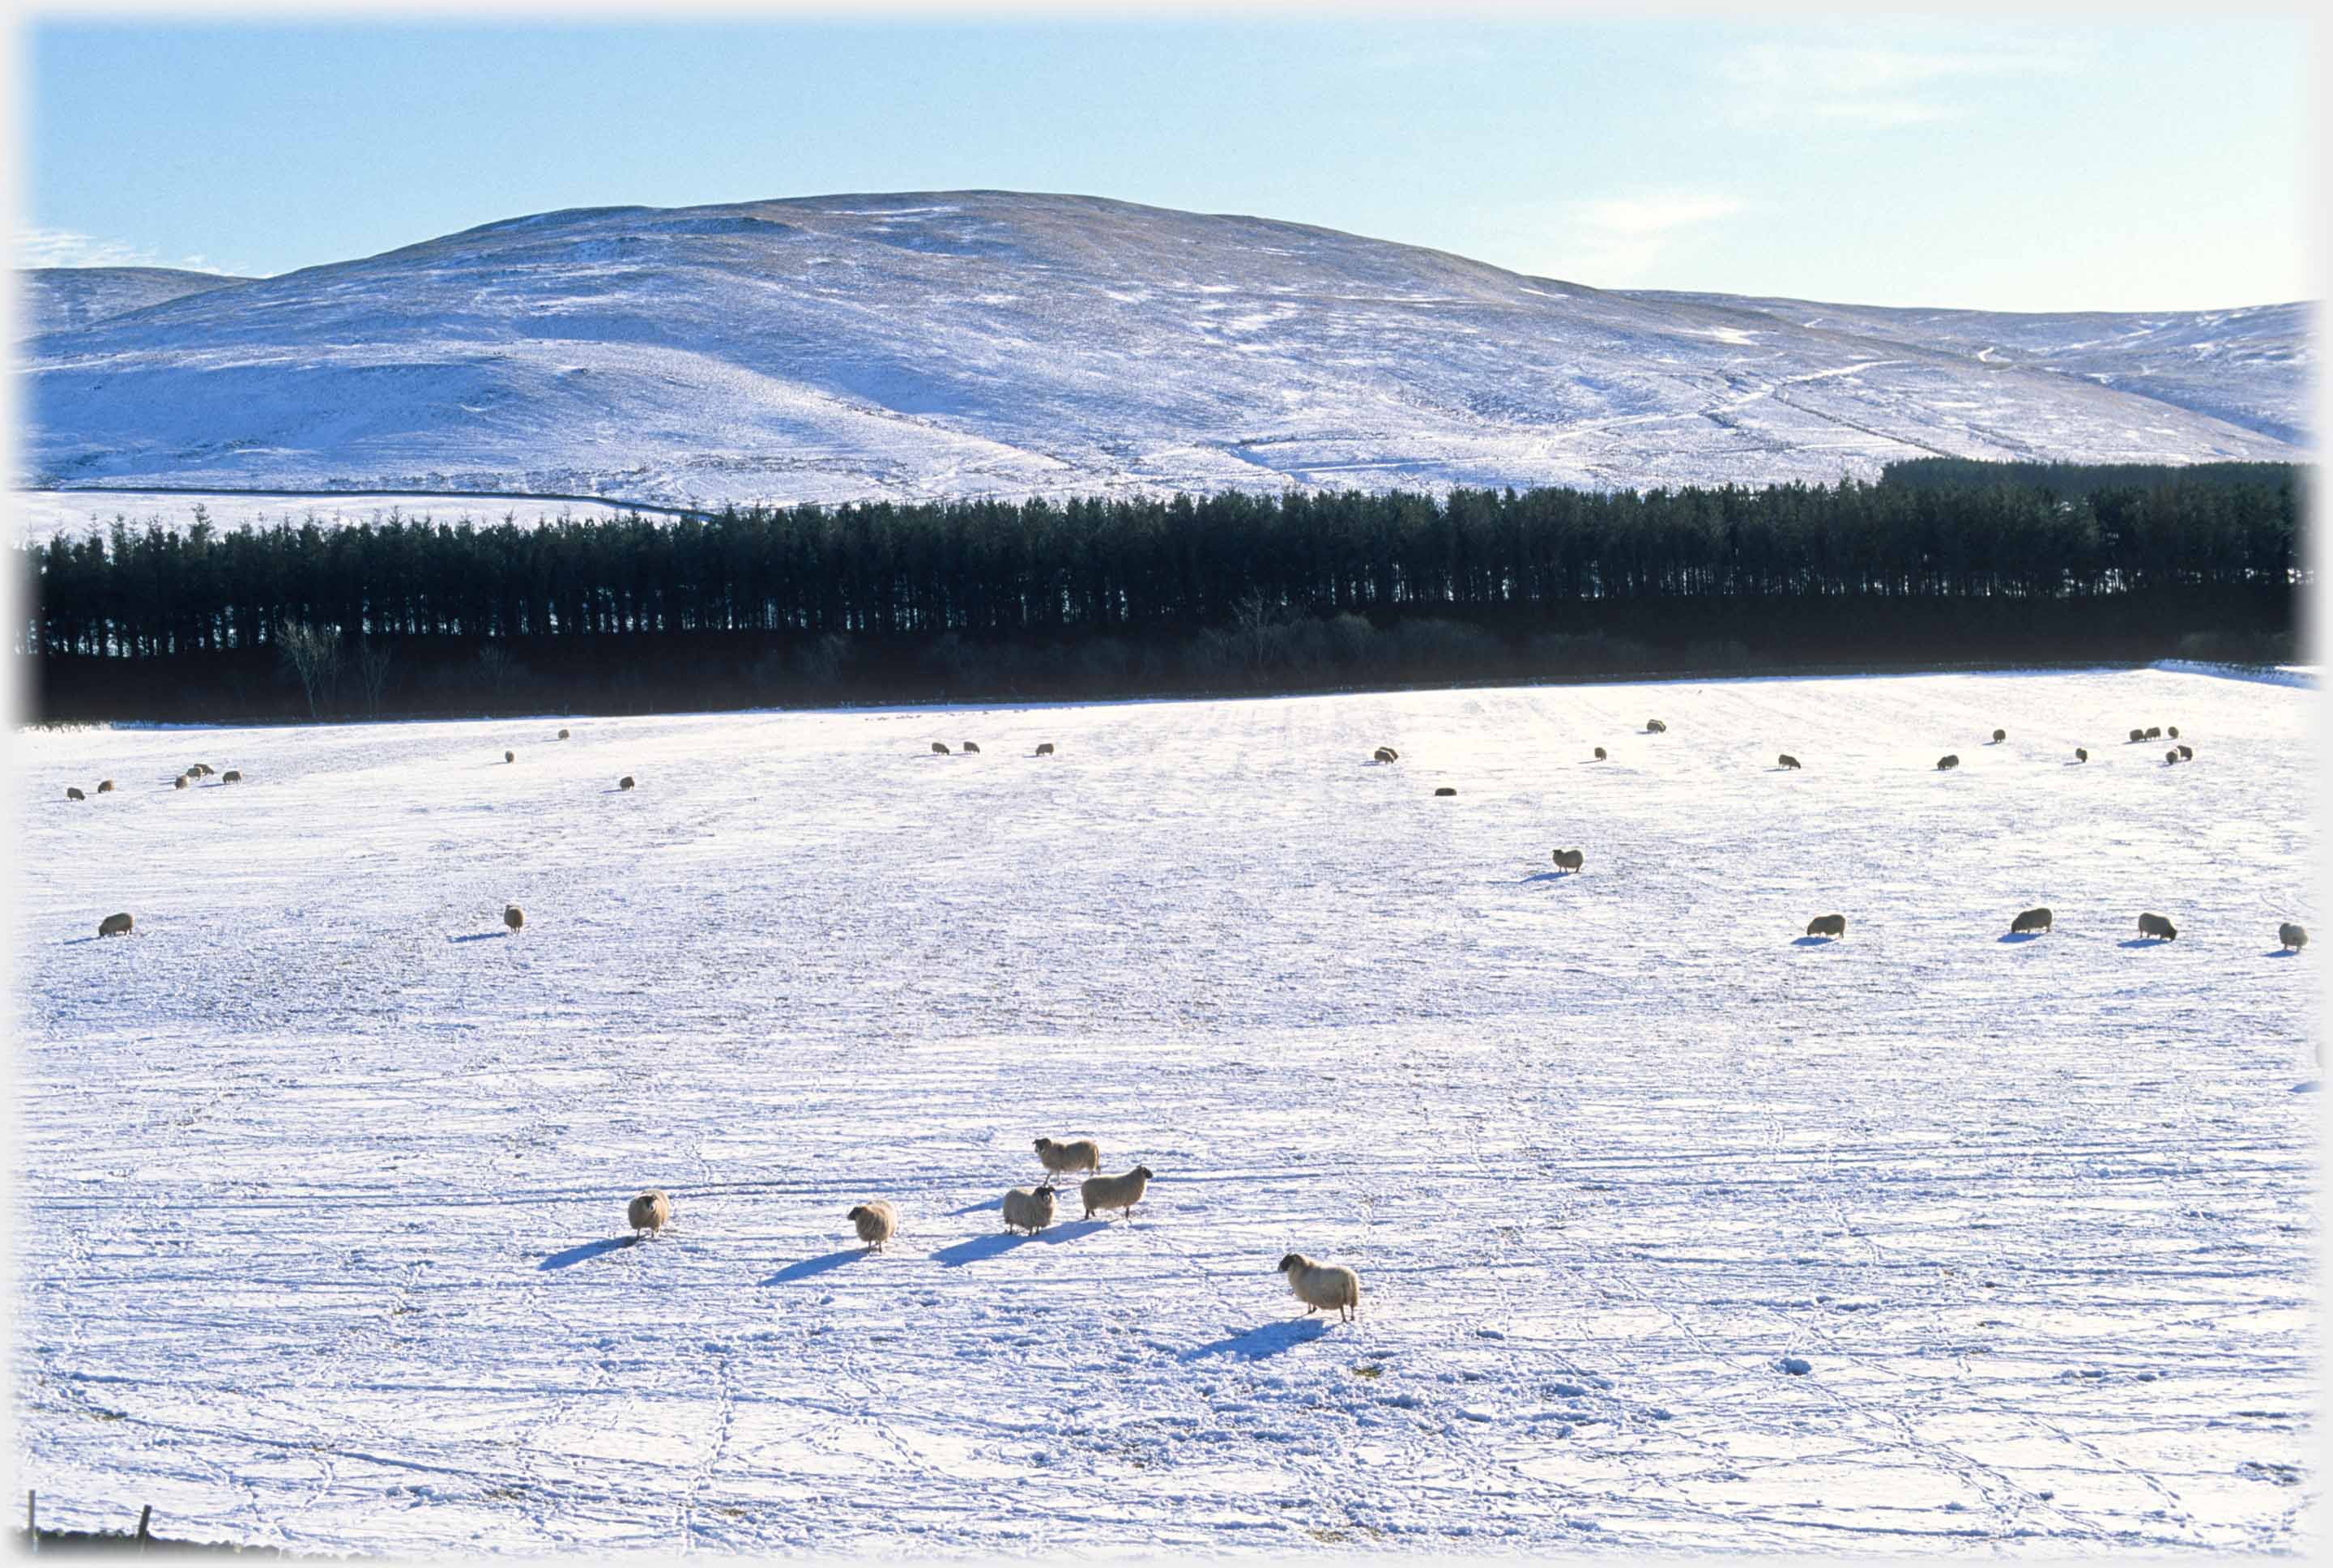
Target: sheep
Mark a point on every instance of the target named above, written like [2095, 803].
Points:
[1786, 760]
[1570, 859]
[114, 925]
[74, 794]
[875, 1223]
[2292, 936]
[2137, 736]
[2154, 731]
[231, 776]
[650, 1212]
[1385, 754]
[2186, 753]
[625, 782]
[105, 787]
[1321, 1285]
[940, 747]
[510, 756]
[2081, 755]
[1599, 754]
[1654, 727]
[2031, 919]
[1105, 1192]
[2171, 758]
[1071, 1155]
[1445, 789]
[2172, 732]
[179, 782]
[563, 734]
[2155, 925]
[1998, 736]
[513, 916]
[1948, 761]
[1044, 748]
[199, 770]
[1029, 1209]
[1827, 925]
[970, 748]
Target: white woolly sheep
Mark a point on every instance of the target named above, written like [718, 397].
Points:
[513, 916]
[114, 925]
[650, 1212]
[1071, 1155]
[1322, 1286]
[1029, 1209]
[1107, 1193]
[875, 1223]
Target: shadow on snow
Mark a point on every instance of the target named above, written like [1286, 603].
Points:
[1259, 1342]
[589, 1249]
[998, 1243]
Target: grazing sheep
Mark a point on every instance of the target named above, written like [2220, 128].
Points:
[1029, 1209]
[1599, 754]
[2172, 732]
[650, 1212]
[1322, 1286]
[2171, 758]
[2186, 753]
[1445, 789]
[625, 782]
[1827, 925]
[1950, 760]
[114, 925]
[1044, 748]
[1654, 727]
[563, 734]
[1998, 736]
[2292, 936]
[2032, 919]
[1105, 1192]
[510, 756]
[513, 916]
[1072, 1154]
[179, 782]
[2155, 925]
[2137, 736]
[2154, 731]
[940, 747]
[1786, 760]
[231, 776]
[876, 1222]
[2080, 755]
[1385, 754]
[105, 787]
[1570, 859]
[74, 794]
[199, 770]
[969, 748]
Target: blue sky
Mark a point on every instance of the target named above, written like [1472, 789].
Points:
[1892, 162]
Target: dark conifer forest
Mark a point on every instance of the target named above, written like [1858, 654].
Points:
[1941, 562]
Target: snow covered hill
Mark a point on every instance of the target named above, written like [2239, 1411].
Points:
[979, 343]
[321, 1175]
[61, 299]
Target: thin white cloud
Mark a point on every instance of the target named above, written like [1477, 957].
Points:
[1652, 214]
[1614, 241]
[32, 246]
[1869, 85]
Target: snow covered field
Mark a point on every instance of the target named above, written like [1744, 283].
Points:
[322, 1170]
[43, 515]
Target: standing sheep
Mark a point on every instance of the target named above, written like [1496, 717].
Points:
[2137, 736]
[2171, 757]
[510, 756]
[940, 747]
[1827, 925]
[2031, 919]
[105, 787]
[2155, 926]
[875, 1223]
[1654, 727]
[2186, 753]
[179, 782]
[2154, 731]
[74, 794]
[1107, 1193]
[1445, 789]
[1599, 754]
[114, 925]
[1385, 754]
[1322, 1286]
[625, 782]
[513, 916]
[970, 747]
[649, 1213]
[1073, 1154]
[1949, 760]
[1029, 1209]
[1571, 859]
[2080, 755]
[199, 770]
[563, 734]
[2292, 936]
[2173, 731]
[1787, 760]
[1044, 748]
[231, 776]
[1998, 736]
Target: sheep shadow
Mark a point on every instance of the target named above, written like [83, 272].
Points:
[1814, 941]
[589, 1249]
[2020, 938]
[2143, 942]
[1270, 1340]
[996, 1244]
[2272, 953]
[1550, 876]
[812, 1267]
[76, 942]
[479, 936]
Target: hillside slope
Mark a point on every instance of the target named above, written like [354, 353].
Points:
[61, 299]
[983, 344]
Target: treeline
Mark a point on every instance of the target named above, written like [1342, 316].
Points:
[1101, 596]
